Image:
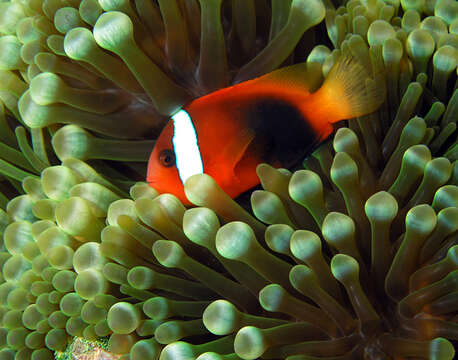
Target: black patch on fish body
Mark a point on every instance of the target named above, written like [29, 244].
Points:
[282, 132]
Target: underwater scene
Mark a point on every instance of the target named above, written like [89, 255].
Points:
[228, 179]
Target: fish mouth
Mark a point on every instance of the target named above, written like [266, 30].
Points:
[158, 186]
[152, 180]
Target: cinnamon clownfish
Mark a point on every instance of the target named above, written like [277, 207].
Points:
[274, 119]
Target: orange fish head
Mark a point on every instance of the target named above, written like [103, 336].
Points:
[162, 172]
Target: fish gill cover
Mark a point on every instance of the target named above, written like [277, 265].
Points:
[353, 256]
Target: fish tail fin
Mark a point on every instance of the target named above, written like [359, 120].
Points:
[350, 91]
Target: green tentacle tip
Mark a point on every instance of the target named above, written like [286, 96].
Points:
[85, 224]
[156, 308]
[14, 267]
[250, 343]
[420, 44]
[278, 237]
[21, 208]
[14, 319]
[88, 256]
[338, 229]
[167, 332]
[380, 31]
[45, 88]
[63, 281]
[175, 330]
[90, 283]
[78, 43]
[314, 10]
[71, 304]
[141, 277]
[344, 268]
[11, 14]
[7, 354]
[57, 182]
[57, 319]
[120, 343]
[318, 54]
[445, 59]
[345, 140]
[305, 187]
[445, 196]
[441, 348]
[34, 115]
[92, 314]
[447, 10]
[112, 29]
[305, 244]
[271, 297]
[221, 317]
[421, 219]
[344, 170]
[17, 299]
[90, 10]
[31, 317]
[214, 356]
[269, 208]
[178, 350]
[145, 349]
[60, 257]
[200, 226]
[42, 354]
[123, 318]
[381, 206]
[71, 141]
[56, 339]
[235, 240]
[304, 280]
[16, 338]
[67, 18]
[168, 253]
[10, 58]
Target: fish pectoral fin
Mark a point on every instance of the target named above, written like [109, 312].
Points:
[236, 149]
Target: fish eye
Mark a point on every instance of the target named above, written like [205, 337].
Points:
[167, 157]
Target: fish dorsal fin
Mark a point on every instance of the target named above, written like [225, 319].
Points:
[306, 77]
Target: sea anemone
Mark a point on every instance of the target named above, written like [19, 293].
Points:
[352, 255]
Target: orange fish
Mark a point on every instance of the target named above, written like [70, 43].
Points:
[273, 119]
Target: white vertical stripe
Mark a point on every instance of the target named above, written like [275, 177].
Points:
[187, 154]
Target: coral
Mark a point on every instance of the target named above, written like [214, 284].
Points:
[351, 255]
